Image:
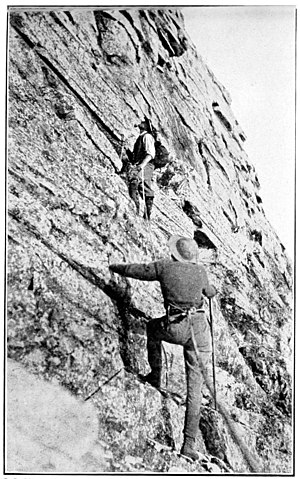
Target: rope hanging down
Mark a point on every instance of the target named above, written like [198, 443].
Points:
[250, 458]
[122, 146]
[146, 215]
[103, 384]
[213, 352]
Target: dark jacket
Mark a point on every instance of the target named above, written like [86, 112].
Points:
[182, 284]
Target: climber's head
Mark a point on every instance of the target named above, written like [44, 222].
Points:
[145, 125]
[183, 249]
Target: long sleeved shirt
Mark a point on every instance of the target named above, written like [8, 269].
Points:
[182, 284]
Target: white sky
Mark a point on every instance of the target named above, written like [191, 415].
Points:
[251, 51]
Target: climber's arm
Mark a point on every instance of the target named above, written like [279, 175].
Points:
[145, 161]
[149, 149]
[145, 272]
[208, 289]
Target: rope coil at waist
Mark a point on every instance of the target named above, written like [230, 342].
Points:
[175, 314]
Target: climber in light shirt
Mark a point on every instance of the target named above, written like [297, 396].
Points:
[141, 173]
[183, 283]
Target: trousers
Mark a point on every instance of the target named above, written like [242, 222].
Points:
[137, 186]
[179, 332]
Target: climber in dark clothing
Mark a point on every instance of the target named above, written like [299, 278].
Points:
[140, 176]
[183, 282]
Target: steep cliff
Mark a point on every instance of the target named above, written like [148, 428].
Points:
[79, 80]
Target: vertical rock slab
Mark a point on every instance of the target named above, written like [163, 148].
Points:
[79, 80]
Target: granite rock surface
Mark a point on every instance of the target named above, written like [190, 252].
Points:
[78, 82]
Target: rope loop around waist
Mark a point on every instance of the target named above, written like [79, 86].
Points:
[177, 311]
[175, 314]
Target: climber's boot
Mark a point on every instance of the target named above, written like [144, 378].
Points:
[149, 205]
[152, 379]
[188, 449]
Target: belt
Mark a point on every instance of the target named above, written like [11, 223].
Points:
[178, 311]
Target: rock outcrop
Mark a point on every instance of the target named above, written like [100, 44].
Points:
[48, 429]
[79, 80]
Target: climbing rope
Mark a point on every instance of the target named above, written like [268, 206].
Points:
[250, 458]
[213, 352]
[146, 215]
[122, 146]
[166, 366]
[103, 384]
[153, 257]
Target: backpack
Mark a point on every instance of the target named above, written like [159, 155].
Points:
[162, 156]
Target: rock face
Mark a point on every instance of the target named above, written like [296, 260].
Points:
[48, 429]
[79, 80]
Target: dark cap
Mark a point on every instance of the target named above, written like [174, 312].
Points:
[145, 123]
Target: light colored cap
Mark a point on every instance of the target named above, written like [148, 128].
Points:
[183, 249]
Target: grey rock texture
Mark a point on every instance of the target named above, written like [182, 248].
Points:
[79, 80]
[48, 429]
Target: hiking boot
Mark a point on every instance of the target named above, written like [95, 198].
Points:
[188, 449]
[151, 379]
[189, 453]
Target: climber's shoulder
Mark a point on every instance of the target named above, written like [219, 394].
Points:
[161, 264]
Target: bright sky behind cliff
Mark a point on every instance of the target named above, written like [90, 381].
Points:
[251, 51]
